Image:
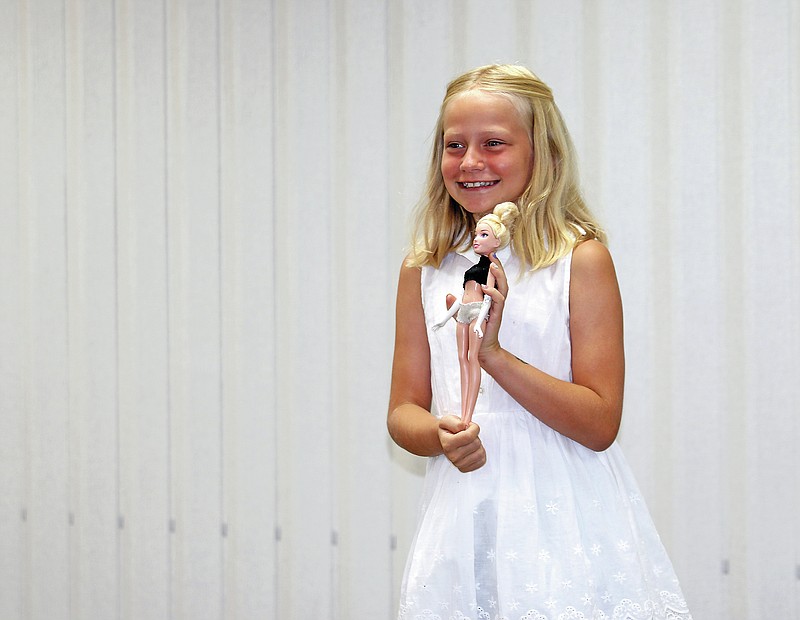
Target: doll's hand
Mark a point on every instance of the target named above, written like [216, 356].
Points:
[452, 309]
[461, 445]
[498, 293]
[482, 315]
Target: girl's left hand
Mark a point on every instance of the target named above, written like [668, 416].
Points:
[461, 445]
[498, 293]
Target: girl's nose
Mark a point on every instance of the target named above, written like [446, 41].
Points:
[471, 161]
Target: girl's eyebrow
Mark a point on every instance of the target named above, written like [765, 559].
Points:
[482, 134]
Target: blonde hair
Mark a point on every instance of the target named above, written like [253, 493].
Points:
[553, 216]
[501, 220]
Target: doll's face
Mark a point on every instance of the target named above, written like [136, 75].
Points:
[488, 156]
[485, 241]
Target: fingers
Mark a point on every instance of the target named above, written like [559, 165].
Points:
[471, 461]
[451, 424]
[498, 295]
[501, 281]
[463, 447]
[499, 291]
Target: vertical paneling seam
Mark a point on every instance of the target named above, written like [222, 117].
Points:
[337, 88]
[732, 186]
[793, 80]
[387, 65]
[273, 298]
[168, 318]
[23, 159]
[662, 269]
[220, 309]
[67, 318]
[523, 10]
[593, 104]
[458, 26]
[115, 183]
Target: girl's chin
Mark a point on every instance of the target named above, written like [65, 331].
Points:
[477, 215]
[478, 210]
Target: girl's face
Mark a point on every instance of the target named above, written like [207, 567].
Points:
[485, 241]
[488, 156]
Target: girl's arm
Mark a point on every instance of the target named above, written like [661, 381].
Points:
[589, 409]
[410, 422]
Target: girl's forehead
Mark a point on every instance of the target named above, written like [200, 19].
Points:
[482, 107]
[484, 228]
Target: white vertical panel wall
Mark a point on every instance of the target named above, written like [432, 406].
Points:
[203, 209]
[145, 582]
[248, 312]
[304, 297]
[13, 419]
[91, 310]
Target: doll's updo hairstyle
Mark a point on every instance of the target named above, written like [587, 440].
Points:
[501, 220]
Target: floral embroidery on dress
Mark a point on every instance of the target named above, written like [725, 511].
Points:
[671, 606]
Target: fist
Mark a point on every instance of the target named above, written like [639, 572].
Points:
[461, 445]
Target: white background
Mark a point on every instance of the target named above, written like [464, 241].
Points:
[203, 208]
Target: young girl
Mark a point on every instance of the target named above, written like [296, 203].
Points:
[530, 510]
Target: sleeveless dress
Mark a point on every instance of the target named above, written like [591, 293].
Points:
[548, 529]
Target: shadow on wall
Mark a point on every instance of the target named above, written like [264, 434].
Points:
[408, 462]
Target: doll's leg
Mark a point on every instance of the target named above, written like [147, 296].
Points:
[474, 374]
[462, 340]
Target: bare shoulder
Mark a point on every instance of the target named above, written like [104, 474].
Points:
[409, 284]
[592, 258]
[594, 290]
[409, 273]
[409, 312]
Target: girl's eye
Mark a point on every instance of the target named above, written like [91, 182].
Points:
[454, 145]
[494, 143]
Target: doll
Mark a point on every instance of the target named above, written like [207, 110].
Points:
[492, 232]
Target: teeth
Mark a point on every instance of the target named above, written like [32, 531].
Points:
[478, 184]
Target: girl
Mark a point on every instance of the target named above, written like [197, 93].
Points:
[529, 511]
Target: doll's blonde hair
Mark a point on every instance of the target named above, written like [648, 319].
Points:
[553, 216]
[501, 220]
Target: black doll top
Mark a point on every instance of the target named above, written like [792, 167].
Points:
[479, 272]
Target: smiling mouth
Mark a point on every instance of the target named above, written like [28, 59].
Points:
[477, 184]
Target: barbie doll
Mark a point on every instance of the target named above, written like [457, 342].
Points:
[492, 232]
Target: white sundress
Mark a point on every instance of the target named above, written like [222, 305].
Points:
[547, 529]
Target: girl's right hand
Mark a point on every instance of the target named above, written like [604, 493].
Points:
[497, 289]
[462, 446]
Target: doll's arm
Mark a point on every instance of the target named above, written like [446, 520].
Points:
[487, 302]
[451, 312]
[484, 312]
